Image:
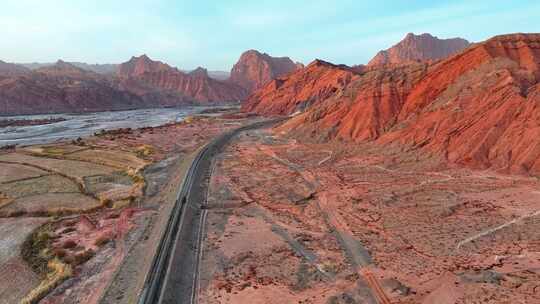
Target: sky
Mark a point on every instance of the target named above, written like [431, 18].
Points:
[213, 34]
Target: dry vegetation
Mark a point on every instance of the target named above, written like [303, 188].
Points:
[59, 272]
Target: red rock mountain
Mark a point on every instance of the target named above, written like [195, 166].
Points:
[137, 66]
[11, 69]
[253, 69]
[62, 88]
[138, 83]
[422, 47]
[479, 108]
[196, 85]
[305, 88]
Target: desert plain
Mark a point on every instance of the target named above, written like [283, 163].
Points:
[292, 221]
[289, 220]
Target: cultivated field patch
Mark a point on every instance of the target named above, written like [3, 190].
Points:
[13, 172]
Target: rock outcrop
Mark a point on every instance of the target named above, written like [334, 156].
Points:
[196, 85]
[422, 47]
[138, 66]
[479, 108]
[254, 69]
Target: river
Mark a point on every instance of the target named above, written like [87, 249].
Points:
[80, 125]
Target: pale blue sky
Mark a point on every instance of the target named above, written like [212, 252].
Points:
[194, 33]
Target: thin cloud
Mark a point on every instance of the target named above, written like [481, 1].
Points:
[190, 34]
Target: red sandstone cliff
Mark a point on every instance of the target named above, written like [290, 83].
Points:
[196, 85]
[253, 69]
[422, 47]
[300, 90]
[480, 108]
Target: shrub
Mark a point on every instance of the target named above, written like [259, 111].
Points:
[102, 240]
[34, 249]
[144, 151]
[58, 272]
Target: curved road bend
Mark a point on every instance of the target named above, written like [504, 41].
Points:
[173, 277]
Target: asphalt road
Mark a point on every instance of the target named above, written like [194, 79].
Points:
[173, 277]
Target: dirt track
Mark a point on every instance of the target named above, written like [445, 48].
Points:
[290, 222]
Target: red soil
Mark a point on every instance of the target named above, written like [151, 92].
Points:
[297, 222]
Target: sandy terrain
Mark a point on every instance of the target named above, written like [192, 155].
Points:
[297, 222]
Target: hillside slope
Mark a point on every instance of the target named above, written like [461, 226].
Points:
[480, 108]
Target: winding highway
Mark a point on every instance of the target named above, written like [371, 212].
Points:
[173, 277]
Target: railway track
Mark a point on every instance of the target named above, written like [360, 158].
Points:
[173, 276]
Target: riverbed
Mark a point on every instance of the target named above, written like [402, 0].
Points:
[81, 125]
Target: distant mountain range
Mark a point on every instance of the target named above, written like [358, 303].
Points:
[110, 68]
[96, 68]
[196, 86]
[62, 87]
[140, 82]
[143, 82]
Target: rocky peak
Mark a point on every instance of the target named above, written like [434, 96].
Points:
[424, 47]
[143, 57]
[320, 62]
[196, 85]
[199, 72]
[254, 69]
[139, 65]
[61, 64]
